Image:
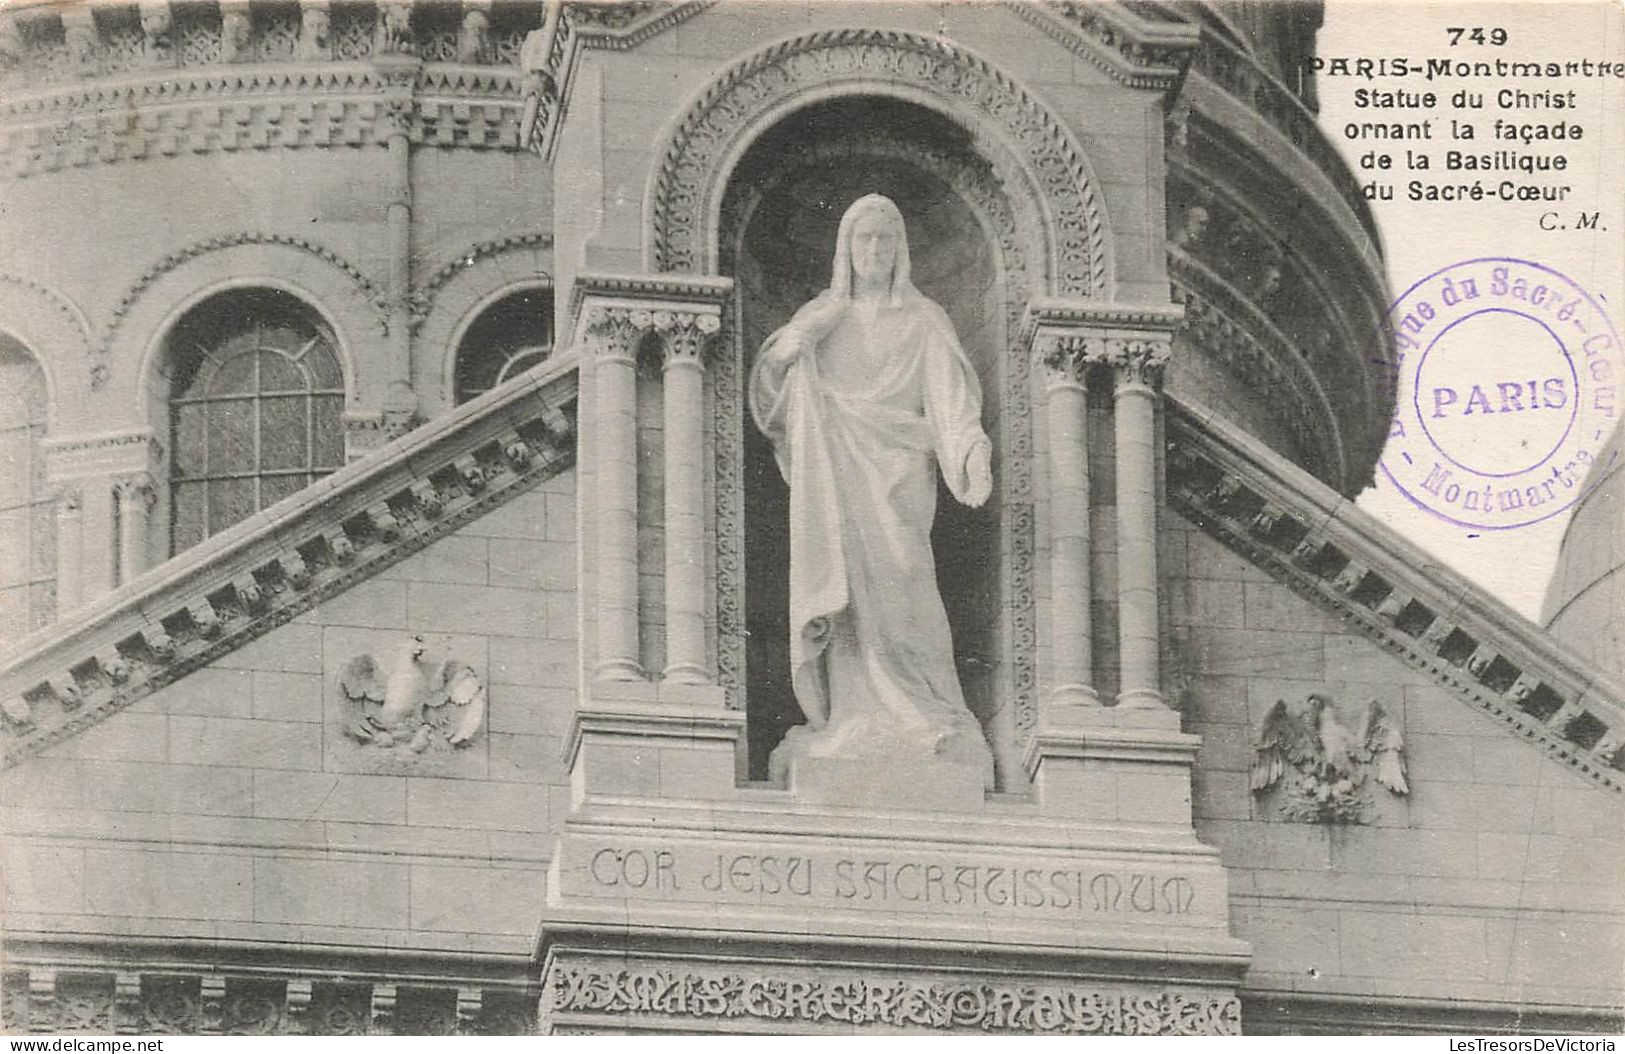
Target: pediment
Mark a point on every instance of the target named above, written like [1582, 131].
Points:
[315, 545]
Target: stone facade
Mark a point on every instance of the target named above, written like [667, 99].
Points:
[543, 246]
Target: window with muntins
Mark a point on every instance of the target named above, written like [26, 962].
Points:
[255, 411]
[27, 513]
[507, 338]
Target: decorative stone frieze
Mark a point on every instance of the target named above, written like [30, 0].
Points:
[83, 998]
[243, 108]
[257, 575]
[1341, 560]
[765, 997]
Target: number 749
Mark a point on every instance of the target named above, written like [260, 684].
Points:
[1495, 36]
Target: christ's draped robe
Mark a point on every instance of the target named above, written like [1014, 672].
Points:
[860, 421]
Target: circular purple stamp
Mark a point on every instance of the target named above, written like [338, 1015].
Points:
[1507, 381]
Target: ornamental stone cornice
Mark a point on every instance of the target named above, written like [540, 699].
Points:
[1320, 545]
[170, 988]
[600, 299]
[186, 113]
[281, 561]
[550, 54]
[1127, 46]
[102, 454]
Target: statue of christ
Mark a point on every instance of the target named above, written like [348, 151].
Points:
[865, 395]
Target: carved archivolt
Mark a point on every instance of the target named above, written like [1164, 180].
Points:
[46, 322]
[336, 287]
[688, 186]
[453, 296]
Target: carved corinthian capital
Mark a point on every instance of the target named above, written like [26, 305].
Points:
[684, 335]
[1139, 360]
[137, 487]
[614, 332]
[1064, 358]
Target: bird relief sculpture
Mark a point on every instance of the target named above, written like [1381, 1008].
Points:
[1330, 766]
[412, 705]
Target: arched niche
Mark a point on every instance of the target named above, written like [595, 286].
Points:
[776, 236]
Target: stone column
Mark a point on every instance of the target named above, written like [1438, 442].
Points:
[1138, 363]
[1064, 362]
[69, 548]
[136, 496]
[397, 68]
[684, 336]
[613, 335]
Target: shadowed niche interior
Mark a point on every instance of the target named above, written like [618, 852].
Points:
[780, 215]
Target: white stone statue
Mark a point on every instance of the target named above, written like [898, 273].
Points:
[864, 395]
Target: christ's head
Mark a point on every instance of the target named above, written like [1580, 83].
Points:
[871, 250]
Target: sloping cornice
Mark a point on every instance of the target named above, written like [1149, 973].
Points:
[282, 561]
[551, 53]
[1127, 45]
[1289, 524]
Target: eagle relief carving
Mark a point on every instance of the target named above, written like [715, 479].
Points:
[1327, 767]
[411, 704]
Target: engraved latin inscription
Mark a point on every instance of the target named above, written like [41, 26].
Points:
[864, 882]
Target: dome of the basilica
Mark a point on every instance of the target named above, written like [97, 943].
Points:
[1585, 601]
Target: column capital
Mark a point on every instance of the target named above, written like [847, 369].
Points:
[1139, 361]
[1064, 357]
[685, 335]
[69, 498]
[133, 485]
[613, 313]
[102, 454]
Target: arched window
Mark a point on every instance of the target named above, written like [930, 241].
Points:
[507, 338]
[256, 395]
[27, 517]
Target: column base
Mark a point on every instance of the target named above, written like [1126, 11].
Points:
[618, 670]
[1142, 699]
[1067, 695]
[687, 673]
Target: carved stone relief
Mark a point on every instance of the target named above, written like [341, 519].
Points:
[1331, 767]
[410, 703]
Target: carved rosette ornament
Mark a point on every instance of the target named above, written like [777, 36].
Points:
[881, 1004]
